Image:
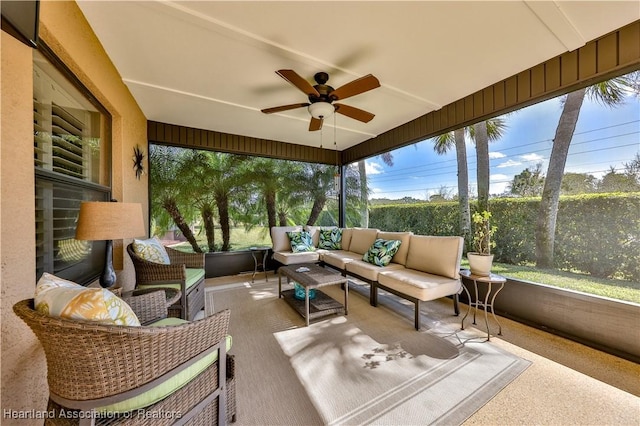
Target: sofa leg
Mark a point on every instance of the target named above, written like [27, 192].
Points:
[417, 315]
[373, 295]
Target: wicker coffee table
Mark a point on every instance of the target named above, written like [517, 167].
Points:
[311, 276]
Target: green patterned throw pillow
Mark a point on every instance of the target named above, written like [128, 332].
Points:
[330, 239]
[301, 241]
[381, 252]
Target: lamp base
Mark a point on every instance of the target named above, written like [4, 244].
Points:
[108, 277]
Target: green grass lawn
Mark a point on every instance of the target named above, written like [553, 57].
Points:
[615, 289]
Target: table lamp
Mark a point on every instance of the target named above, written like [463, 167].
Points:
[103, 220]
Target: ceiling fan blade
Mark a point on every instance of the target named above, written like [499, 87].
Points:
[283, 108]
[355, 87]
[355, 113]
[315, 124]
[294, 78]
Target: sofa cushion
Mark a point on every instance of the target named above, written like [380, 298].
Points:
[369, 271]
[339, 258]
[300, 241]
[347, 233]
[381, 252]
[61, 298]
[315, 232]
[330, 239]
[290, 258]
[420, 285]
[435, 255]
[151, 250]
[362, 239]
[279, 237]
[194, 276]
[401, 255]
[165, 389]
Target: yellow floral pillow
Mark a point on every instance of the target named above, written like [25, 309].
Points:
[57, 297]
[151, 250]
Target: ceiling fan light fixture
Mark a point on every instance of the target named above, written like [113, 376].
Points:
[321, 110]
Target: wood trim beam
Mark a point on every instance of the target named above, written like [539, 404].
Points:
[188, 137]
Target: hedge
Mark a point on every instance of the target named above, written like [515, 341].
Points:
[595, 233]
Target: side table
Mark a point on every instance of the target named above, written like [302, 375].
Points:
[259, 261]
[489, 299]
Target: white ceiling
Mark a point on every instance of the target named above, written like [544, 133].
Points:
[211, 64]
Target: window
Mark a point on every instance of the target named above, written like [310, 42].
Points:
[72, 164]
[597, 238]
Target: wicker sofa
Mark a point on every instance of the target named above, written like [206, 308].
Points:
[424, 268]
[93, 365]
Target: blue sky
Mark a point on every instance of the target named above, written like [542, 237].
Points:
[604, 137]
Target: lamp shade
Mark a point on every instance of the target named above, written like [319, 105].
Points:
[321, 109]
[100, 220]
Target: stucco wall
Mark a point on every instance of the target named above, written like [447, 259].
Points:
[64, 29]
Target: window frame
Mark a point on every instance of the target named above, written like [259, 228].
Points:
[88, 269]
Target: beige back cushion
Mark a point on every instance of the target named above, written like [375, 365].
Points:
[280, 239]
[401, 255]
[435, 255]
[346, 238]
[315, 232]
[362, 239]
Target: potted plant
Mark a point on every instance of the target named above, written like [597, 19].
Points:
[481, 259]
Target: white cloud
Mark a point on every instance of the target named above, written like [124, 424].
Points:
[498, 188]
[373, 168]
[532, 157]
[494, 155]
[509, 163]
[499, 177]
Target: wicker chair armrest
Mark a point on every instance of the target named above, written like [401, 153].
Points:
[148, 307]
[190, 260]
[114, 359]
[152, 273]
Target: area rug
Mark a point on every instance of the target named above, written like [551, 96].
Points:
[371, 366]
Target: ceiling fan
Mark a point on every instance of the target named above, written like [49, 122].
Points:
[321, 97]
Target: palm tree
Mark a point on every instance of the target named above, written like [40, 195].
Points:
[318, 179]
[610, 93]
[219, 176]
[167, 194]
[443, 144]
[482, 133]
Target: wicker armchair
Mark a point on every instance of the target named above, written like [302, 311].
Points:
[178, 273]
[93, 365]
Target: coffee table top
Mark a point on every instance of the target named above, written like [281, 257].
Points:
[315, 276]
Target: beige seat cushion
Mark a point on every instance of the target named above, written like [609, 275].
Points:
[362, 239]
[418, 284]
[290, 258]
[280, 239]
[404, 238]
[369, 271]
[435, 255]
[339, 258]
